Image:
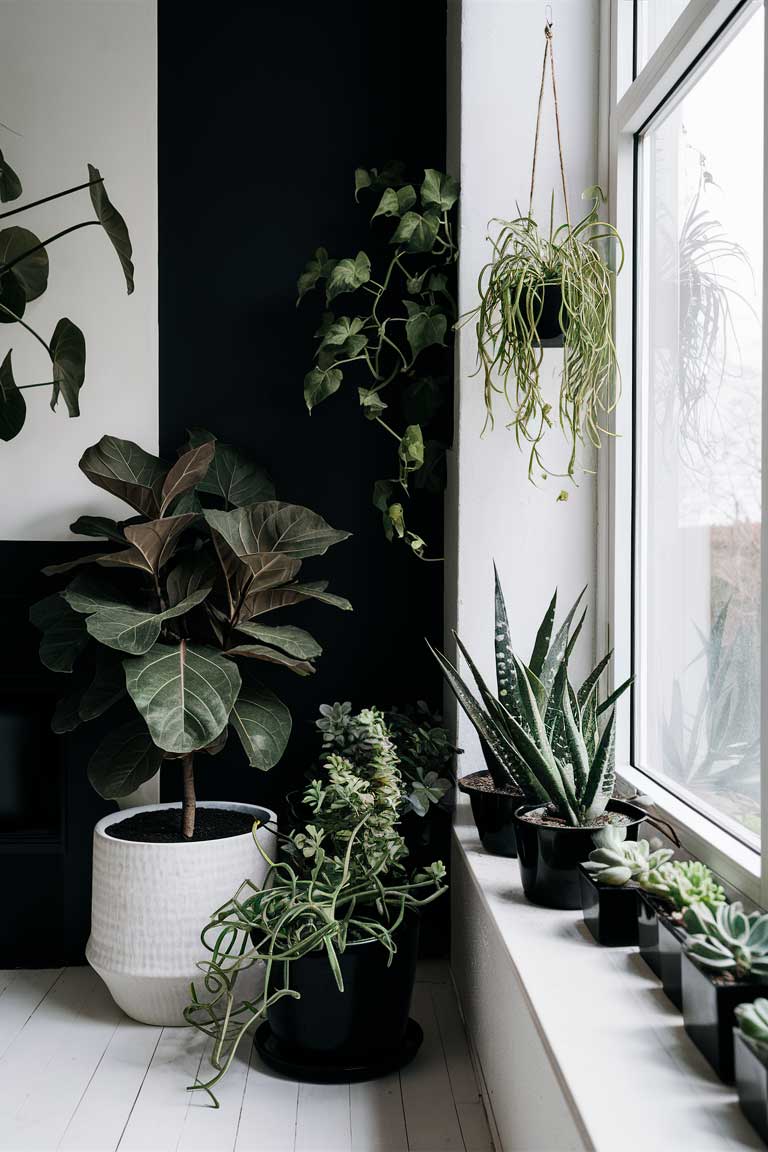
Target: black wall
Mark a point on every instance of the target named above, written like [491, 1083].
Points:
[265, 112]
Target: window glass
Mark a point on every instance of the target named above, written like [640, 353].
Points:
[698, 397]
[653, 19]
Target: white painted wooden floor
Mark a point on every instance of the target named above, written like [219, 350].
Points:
[77, 1075]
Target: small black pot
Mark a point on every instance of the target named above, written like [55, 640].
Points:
[610, 912]
[493, 812]
[708, 1013]
[751, 1083]
[661, 945]
[550, 856]
[548, 326]
[362, 1027]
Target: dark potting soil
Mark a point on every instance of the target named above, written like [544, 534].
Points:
[483, 782]
[164, 827]
[550, 820]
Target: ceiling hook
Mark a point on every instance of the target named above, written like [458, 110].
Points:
[548, 15]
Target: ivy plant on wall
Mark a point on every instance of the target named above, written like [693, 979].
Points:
[394, 338]
[24, 278]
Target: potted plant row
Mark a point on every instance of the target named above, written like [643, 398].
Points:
[335, 923]
[555, 745]
[160, 631]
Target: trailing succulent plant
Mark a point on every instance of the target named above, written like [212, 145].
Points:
[683, 883]
[728, 939]
[396, 337]
[168, 624]
[544, 737]
[753, 1022]
[617, 860]
[24, 278]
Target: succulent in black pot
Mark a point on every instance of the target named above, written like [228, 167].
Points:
[609, 885]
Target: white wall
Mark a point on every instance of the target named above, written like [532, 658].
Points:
[78, 80]
[493, 510]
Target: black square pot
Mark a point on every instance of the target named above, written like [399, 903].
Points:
[610, 913]
[661, 945]
[751, 1083]
[708, 1006]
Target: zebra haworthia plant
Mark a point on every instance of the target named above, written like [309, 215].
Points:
[728, 939]
[544, 737]
[617, 861]
[169, 623]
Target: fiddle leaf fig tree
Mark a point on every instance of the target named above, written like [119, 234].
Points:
[170, 619]
[386, 327]
[24, 278]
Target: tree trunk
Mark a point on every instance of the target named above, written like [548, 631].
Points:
[188, 807]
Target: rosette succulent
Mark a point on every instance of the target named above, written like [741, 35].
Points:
[684, 882]
[616, 860]
[753, 1022]
[728, 940]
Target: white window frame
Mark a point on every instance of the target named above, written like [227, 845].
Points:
[625, 106]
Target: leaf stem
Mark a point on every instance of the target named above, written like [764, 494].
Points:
[390, 430]
[24, 324]
[44, 243]
[43, 384]
[47, 199]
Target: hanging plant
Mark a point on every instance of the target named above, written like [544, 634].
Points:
[551, 289]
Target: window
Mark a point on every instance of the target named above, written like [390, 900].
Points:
[682, 490]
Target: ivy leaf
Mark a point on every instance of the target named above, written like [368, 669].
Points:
[422, 398]
[394, 202]
[344, 336]
[383, 491]
[411, 450]
[394, 522]
[113, 224]
[321, 383]
[416, 233]
[348, 275]
[371, 402]
[438, 190]
[362, 180]
[425, 327]
[432, 477]
[318, 268]
[68, 356]
[10, 185]
[438, 283]
[13, 409]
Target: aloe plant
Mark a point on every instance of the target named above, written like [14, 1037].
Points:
[683, 883]
[170, 622]
[544, 737]
[617, 860]
[729, 939]
[753, 1022]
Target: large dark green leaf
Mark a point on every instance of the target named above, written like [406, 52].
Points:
[416, 233]
[135, 630]
[294, 641]
[272, 656]
[106, 688]
[31, 271]
[236, 478]
[438, 190]
[124, 760]
[262, 722]
[294, 594]
[64, 634]
[68, 357]
[127, 471]
[275, 527]
[100, 527]
[13, 302]
[348, 275]
[66, 715]
[157, 540]
[184, 693]
[128, 558]
[189, 470]
[113, 224]
[191, 574]
[10, 185]
[13, 410]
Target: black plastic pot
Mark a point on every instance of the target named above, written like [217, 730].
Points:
[610, 912]
[550, 855]
[493, 811]
[751, 1083]
[549, 299]
[355, 1032]
[708, 1007]
[661, 945]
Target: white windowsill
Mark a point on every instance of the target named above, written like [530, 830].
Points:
[629, 1074]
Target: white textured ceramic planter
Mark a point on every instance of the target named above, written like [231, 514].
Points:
[150, 904]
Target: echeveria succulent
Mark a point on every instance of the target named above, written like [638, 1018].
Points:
[729, 939]
[617, 860]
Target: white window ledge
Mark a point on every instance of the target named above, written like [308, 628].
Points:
[627, 1074]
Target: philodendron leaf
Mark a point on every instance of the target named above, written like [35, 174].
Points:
[188, 471]
[438, 190]
[348, 275]
[395, 201]
[127, 471]
[13, 410]
[10, 185]
[67, 349]
[318, 268]
[262, 722]
[135, 630]
[321, 383]
[157, 539]
[113, 224]
[31, 271]
[124, 760]
[424, 327]
[416, 233]
[275, 527]
[294, 641]
[99, 526]
[184, 693]
[64, 634]
[235, 478]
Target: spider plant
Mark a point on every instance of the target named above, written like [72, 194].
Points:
[530, 272]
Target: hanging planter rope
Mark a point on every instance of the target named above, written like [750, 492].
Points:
[550, 290]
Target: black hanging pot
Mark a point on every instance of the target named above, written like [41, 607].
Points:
[550, 852]
[331, 1036]
[545, 304]
[493, 810]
